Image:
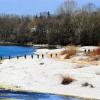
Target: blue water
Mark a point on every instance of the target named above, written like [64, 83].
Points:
[13, 51]
[8, 95]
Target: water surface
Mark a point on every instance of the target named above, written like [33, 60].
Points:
[10, 95]
[13, 51]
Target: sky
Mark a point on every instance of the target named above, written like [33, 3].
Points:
[32, 7]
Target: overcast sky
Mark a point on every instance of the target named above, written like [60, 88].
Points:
[31, 7]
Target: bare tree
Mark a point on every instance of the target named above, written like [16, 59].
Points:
[68, 7]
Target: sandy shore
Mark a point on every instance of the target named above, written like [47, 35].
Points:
[45, 75]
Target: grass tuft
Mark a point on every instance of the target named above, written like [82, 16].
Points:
[70, 51]
[67, 80]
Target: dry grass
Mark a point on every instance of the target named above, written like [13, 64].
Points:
[67, 80]
[70, 51]
[95, 54]
[63, 52]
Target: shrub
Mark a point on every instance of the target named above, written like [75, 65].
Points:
[67, 80]
[63, 52]
[70, 51]
[66, 56]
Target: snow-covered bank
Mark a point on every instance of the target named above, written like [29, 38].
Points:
[46, 75]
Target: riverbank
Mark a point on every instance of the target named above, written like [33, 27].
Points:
[46, 75]
[30, 44]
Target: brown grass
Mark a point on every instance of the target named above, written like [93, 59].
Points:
[67, 80]
[95, 52]
[70, 51]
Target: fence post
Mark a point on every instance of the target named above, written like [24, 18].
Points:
[1, 57]
[56, 54]
[85, 51]
[32, 56]
[38, 56]
[89, 51]
[17, 57]
[25, 56]
[9, 57]
[51, 55]
[42, 56]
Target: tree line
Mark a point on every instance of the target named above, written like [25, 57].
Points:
[69, 24]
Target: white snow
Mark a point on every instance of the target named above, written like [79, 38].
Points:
[31, 75]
